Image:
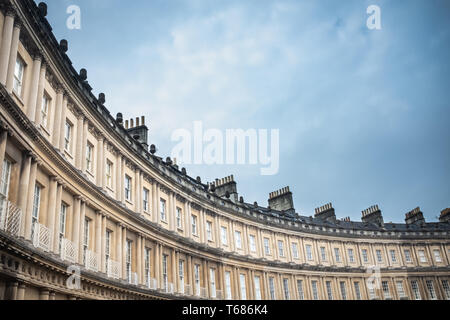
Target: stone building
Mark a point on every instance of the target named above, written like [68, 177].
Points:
[81, 190]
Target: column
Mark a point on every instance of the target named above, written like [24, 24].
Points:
[157, 213]
[21, 291]
[62, 126]
[122, 177]
[189, 273]
[83, 144]
[33, 92]
[103, 244]
[137, 191]
[143, 259]
[56, 131]
[157, 264]
[100, 162]
[174, 270]
[44, 294]
[118, 176]
[177, 284]
[245, 240]
[57, 216]
[23, 187]
[98, 234]
[5, 47]
[52, 195]
[187, 218]
[81, 229]
[139, 258]
[30, 199]
[3, 141]
[124, 252]
[12, 289]
[76, 223]
[40, 93]
[119, 248]
[105, 149]
[217, 230]
[79, 144]
[13, 55]
[205, 276]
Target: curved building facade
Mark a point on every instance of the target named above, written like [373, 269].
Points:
[88, 211]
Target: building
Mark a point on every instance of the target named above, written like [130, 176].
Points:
[81, 190]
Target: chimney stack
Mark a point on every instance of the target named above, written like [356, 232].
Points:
[373, 215]
[445, 215]
[140, 129]
[325, 212]
[415, 217]
[224, 185]
[281, 200]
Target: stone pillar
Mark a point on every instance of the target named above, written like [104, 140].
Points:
[79, 143]
[76, 223]
[98, 233]
[119, 244]
[217, 230]
[139, 258]
[44, 294]
[157, 264]
[153, 203]
[21, 291]
[187, 219]
[122, 178]
[124, 252]
[62, 127]
[103, 244]
[105, 149]
[137, 191]
[5, 48]
[83, 143]
[52, 295]
[57, 218]
[52, 190]
[12, 290]
[3, 141]
[23, 187]
[81, 229]
[56, 131]
[40, 94]
[245, 240]
[100, 163]
[158, 206]
[118, 176]
[189, 273]
[13, 56]
[206, 283]
[30, 104]
[30, 199]
[174, 270]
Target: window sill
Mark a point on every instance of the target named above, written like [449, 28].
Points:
[89, 173]
[129, 202]
[17, 96]
[109, 188]
[68, 154]
[45, 129]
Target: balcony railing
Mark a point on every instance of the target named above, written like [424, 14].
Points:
[69, 250]
[133, 278]
[168, 288]
[92, 260]
[10, 216]
[113, 269]
[219, 295]
[188, 290]
[152, 283]
[42, 237]
[203, 293]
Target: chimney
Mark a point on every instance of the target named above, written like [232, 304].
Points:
[325, 212]
[226, 186]
[415, 217]
[140, 130]
[281, 200]
[445, 215]
[372, 215]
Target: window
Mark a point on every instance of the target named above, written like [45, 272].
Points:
[365, 257]
[179, 219]
[181, 274]
[329, 290]
[145, 196]
[422, 256]
[227, 285]
[430, 288]
[209, 230]
[18, 76]
[44, 110]
[128, 260]
[379, 257]
[416, 291]
[272, 288]
[107, 249]
[109, 170]
[393, 256]
[314, 290]
[4, 187]
[164, 272]
[301, 294]
[237, 236]
[197, 279]
[212, 276]
[287, 295]
[357, 291]
[252, 241]
[89, 152]
[266, 246]
[86, 236]
[385, 287]
[256, 280]
[446, 287]
[351, 257]
[147, 267]
[127, 188]
[162, 209]
[400, 289]
[323, 254]
[223, 232]
[337, 254]
[35, 210]
[437, 256]
[343, 290]
[194, 224]
[280, 248]
[408, 256]
[295, 250]
[243, 288]
[68, 137]
[372, 295]
[308, 252]
[62, 224]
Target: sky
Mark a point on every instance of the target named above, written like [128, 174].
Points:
[363, 115]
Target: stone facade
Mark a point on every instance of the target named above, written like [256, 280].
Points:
[80, 191]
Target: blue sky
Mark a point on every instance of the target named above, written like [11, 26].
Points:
[363, 114]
